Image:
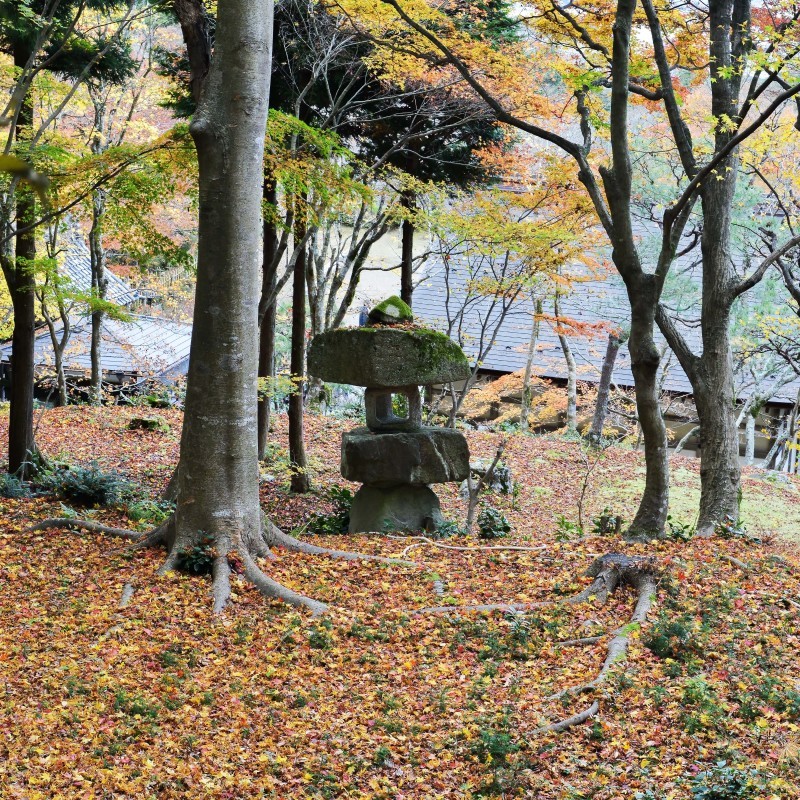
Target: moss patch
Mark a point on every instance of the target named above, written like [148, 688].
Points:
[390, 310]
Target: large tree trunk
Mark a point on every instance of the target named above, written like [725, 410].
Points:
[99, 291]
[269, 306]
[20, 281]
[409, 201]
[604, 388]
[218, 467]
[720, 471]
[21, 444]
[651, 515]
[297, 450]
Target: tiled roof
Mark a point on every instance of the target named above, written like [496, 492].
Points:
[77, 266]
[591, 302]
[142, 347]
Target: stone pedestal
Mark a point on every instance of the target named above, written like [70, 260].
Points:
[400, 508]
[395, 457]
[414, 458]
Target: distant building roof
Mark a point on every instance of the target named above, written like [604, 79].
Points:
[134, 350]
[77, 266]
[590, 302]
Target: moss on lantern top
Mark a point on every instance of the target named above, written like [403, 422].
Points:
[391, 311]
[386, 357]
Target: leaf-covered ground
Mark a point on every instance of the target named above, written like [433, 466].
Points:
[162, 700]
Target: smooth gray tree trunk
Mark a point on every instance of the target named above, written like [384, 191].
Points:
[525, 407]
[604, 388]
[217, 498]
[572, 372]
[300, 481]
[651, 516]
[99, 292]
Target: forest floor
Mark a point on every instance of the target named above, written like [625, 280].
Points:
[160, 699]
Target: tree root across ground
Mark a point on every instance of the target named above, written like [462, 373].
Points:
[161, 698]
[372, 701]
[241, 556]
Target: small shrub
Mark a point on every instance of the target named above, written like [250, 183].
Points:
[338, 521]
[674, 638]
[148, 424]
[726, 782]
[445, 529]
[678, 531]
[494, 746]
[319, 637]
[492, 524]
[730, 528]
[198, 559]
[12, 488]
[87, 485]
[151, 511]
[566, 530]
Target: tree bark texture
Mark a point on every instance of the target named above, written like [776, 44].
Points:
[572, 371]
[218, 468]
[99, 292]
[651, 515]
[525, 407]
[269, 304]
[408, 200]
[297, 450]
[604, 388]
[23, 299]
[643, 289]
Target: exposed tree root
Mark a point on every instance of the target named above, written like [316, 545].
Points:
[621, 570]
[426, 540]
[75, 525]
[277, 538]
[607, 572]
[575, 642]
[221, 583]
[127, 595]
[273, 589]
[736, 562]
[164, 534]
[569, 722]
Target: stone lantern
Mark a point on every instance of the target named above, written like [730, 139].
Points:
[395, 457]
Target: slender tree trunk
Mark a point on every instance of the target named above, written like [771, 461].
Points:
[750, 438]
[59, 345]
[572, 372]
[99, 292]
[218, 466]
[409, 201]
[269, 304]
[297, 450]
[604, 388]
[525, 408]
[651, 515]
[23, 299]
